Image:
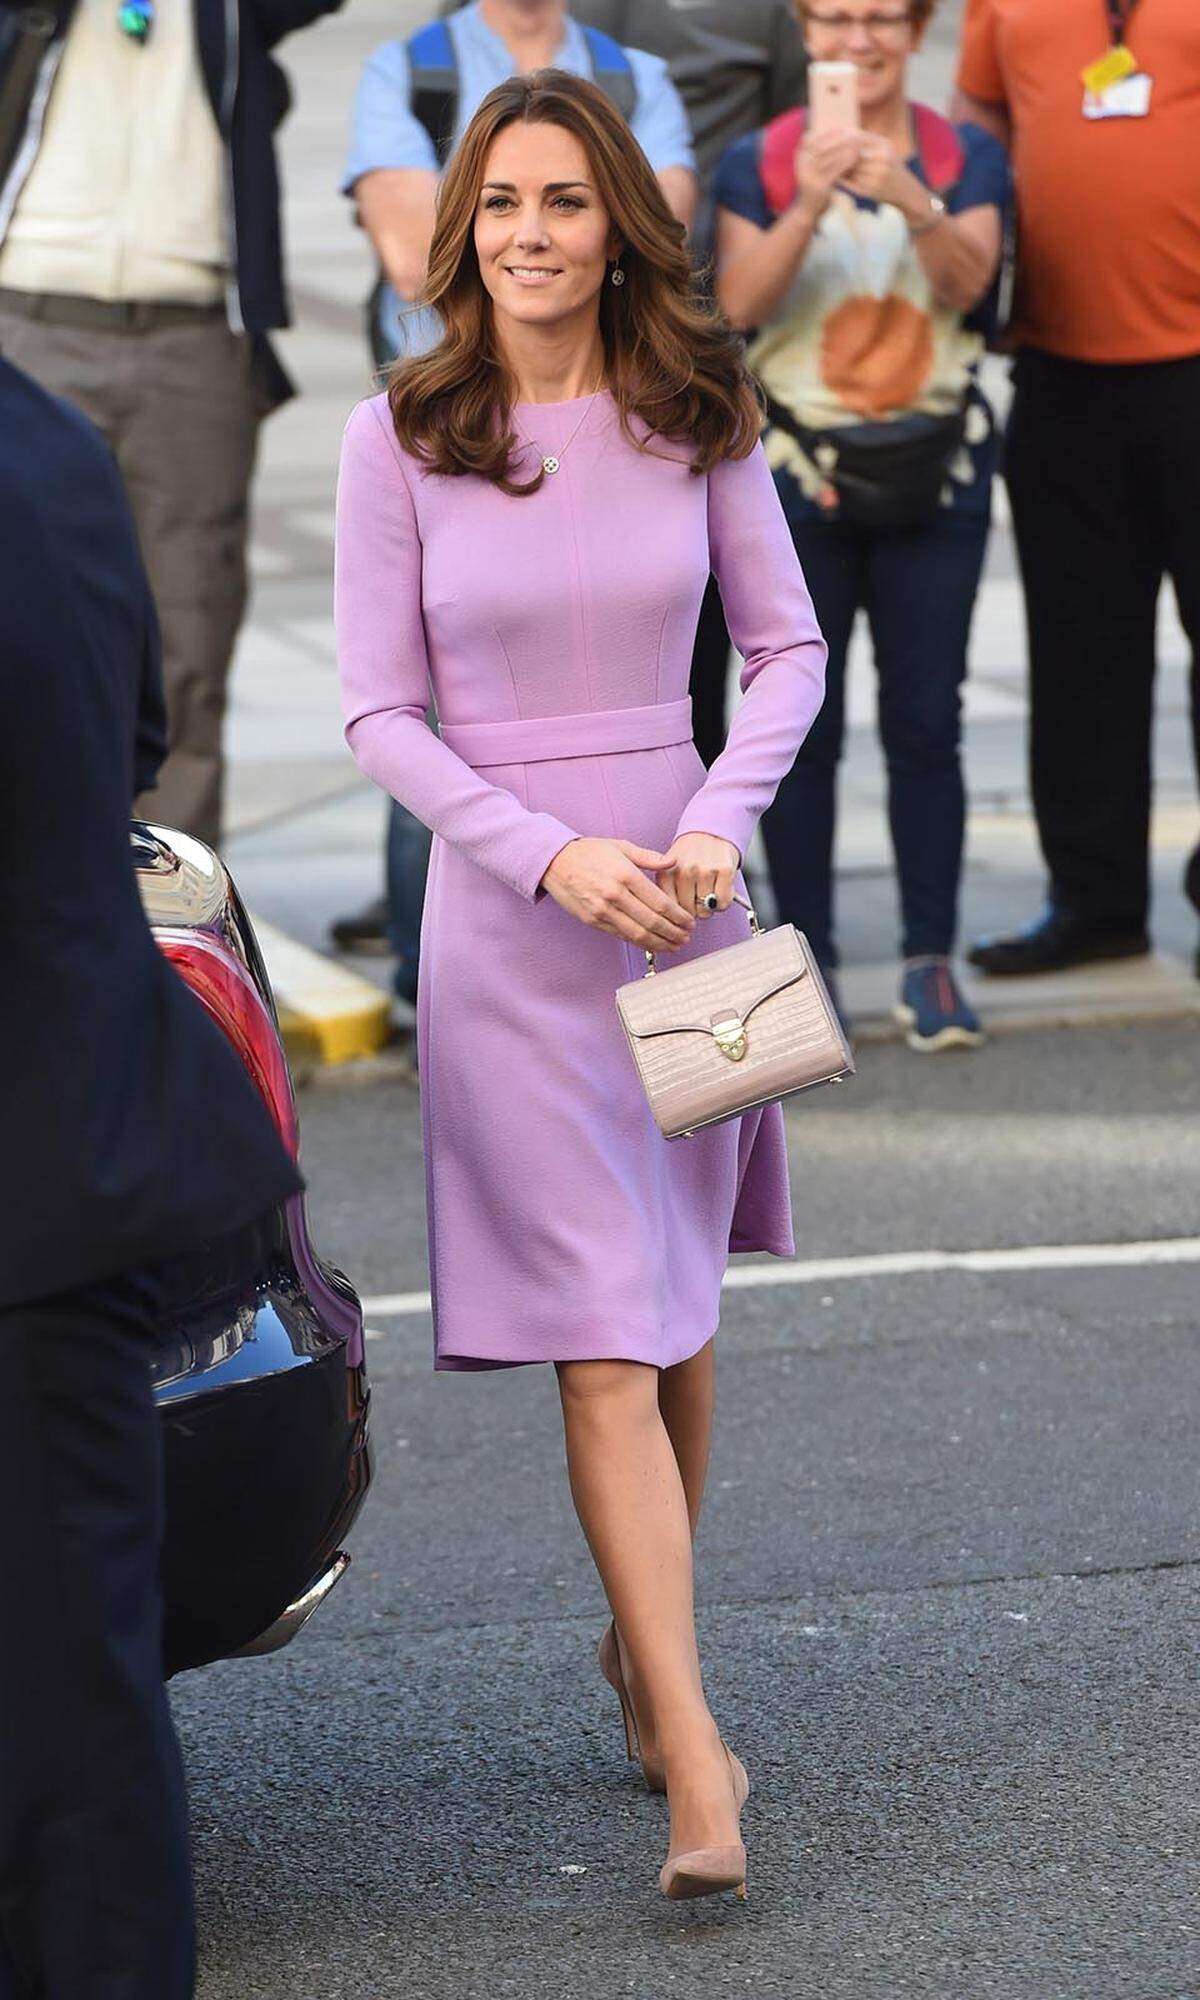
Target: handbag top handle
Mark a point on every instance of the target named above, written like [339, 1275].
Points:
[756, 930]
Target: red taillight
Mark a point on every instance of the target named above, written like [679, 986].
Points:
[226, 990]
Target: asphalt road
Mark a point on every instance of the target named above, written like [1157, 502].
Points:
[947, 1597]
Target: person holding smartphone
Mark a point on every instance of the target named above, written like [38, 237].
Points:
[859, 245]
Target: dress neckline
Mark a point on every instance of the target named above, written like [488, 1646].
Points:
[569, 402]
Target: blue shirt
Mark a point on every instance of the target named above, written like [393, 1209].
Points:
[385, 132]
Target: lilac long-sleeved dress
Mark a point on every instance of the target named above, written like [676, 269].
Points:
[556, 632]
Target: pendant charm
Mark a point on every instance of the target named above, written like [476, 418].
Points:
[136, 18]
[549, 465]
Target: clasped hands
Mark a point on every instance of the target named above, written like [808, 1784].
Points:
[604, 883]
[864, 162]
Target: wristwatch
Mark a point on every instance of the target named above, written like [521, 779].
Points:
[937, 209]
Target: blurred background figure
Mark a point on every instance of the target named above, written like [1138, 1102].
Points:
[130, 1133]
[1101, 102]
[140, 270]
[864, 259]
[736, 64]
[416, 99]
[414, 102]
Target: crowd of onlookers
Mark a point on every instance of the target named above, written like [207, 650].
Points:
[870, 249]
[868, 252]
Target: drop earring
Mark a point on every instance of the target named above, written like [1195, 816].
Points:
[618, 275]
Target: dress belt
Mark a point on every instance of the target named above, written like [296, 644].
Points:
[534, 739]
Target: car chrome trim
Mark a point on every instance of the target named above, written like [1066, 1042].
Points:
[286, 1626]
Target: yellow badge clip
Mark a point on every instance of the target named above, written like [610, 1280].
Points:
[1112, 67]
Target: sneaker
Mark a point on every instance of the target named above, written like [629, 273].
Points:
[933, 1009]
[365, 932]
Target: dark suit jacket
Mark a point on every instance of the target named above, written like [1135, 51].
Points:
[128, 1128]
[249, 95]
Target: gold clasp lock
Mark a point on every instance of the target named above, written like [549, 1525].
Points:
[729, 1035]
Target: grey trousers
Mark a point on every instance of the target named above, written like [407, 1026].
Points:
[180, 407]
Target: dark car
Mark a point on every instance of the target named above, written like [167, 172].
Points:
[259, 1375]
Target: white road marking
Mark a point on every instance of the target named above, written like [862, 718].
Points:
[898, 1264]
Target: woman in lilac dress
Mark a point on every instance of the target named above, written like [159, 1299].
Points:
[526, 523]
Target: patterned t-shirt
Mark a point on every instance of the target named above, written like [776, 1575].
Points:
[859, 337]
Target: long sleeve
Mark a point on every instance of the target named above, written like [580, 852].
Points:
[772, 623]
[384, 669]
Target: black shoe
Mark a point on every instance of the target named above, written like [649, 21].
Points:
[365, 933]
[1191, 889]
[1052, 942]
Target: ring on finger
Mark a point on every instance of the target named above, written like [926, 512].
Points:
[709, 902]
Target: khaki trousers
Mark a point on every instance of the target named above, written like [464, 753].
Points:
[180, 407]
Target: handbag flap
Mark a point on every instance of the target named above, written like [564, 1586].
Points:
[734, 979]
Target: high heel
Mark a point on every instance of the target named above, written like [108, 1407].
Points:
[705, 1871]
[609, 1656]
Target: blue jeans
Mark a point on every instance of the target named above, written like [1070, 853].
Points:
[408, 844]
[918, 590]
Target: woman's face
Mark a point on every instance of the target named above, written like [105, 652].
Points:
[542, 234]
[877, 36]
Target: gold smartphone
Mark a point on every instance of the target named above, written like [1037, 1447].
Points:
[832, 96]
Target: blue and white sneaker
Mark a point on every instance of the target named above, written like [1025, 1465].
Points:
[933, 1009]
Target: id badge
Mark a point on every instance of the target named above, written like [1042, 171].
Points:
[1114, 87]
[1129, 98]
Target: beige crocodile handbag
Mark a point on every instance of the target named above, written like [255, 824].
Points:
[732, 1030]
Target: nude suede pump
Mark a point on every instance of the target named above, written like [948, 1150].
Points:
[706, 1871]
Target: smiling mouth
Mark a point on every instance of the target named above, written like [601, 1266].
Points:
[531, 274]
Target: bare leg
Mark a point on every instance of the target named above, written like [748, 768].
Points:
[633, 1509]
[685, 1398]
[685, 1402]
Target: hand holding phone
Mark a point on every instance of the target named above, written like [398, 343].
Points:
[832, 139]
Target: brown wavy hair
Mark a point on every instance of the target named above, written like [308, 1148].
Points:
[671, 359]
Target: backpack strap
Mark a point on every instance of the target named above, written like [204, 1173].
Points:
[434, 80]
[777, 158]
[939, 149]
[612, 71]
[433, 84]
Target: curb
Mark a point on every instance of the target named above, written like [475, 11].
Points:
[327, 1015]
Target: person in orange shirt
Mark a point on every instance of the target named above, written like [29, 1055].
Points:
[1100, 103]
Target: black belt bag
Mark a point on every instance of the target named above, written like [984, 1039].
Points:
[885, 475]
